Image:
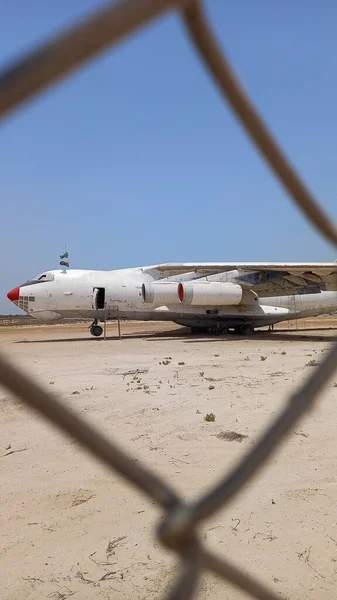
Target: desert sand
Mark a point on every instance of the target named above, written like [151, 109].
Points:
[71, 528]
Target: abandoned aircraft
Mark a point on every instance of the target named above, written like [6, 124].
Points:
[213, 297]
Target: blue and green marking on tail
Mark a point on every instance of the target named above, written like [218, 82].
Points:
[64, 259]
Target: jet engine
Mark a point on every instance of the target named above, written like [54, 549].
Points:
[160, 293]
[209, 293]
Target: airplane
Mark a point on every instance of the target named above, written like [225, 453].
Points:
[206, 297]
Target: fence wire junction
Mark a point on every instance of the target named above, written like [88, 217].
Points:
[178, 531]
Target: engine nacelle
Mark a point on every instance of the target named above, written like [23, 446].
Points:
[160, 293]
[211, 293]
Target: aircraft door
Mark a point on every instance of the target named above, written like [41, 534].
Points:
[98, 300]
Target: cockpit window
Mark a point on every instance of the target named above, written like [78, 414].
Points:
[40, 278]
[44, 277]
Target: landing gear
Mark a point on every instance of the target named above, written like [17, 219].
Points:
[223, 330]
[219, 330]
[246, 329]
[95, 329]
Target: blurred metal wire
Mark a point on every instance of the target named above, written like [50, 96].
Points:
[178, 531]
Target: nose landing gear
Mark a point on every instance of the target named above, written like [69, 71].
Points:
[95, 329]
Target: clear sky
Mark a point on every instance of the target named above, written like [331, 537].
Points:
[136, 159]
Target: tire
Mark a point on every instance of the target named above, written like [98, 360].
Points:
[246, 329]
[215, 330]
[96, 330]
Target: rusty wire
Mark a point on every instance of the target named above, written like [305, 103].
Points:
[178, 531]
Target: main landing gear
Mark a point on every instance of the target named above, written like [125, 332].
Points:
[218, 329]
[95, 329]
[245, 329]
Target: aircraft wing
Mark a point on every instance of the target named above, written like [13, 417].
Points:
[266, 279]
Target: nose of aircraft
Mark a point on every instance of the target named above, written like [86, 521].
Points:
[14, 294]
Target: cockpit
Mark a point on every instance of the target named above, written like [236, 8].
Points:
[40, 278]
[43, 277]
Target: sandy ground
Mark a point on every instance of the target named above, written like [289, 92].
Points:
[71, 528]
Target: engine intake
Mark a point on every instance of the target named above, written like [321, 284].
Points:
[160, 293]
[209, 294]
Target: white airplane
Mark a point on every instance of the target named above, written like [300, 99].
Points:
[213, 297]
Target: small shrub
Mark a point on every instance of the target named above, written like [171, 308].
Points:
[210, 417]
[181, 363]
[312, 363]
[211, 387]
[202, 373]
[283, 353]
[231, 436]
[263, 357]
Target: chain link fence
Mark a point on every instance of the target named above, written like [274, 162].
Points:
[178, 531]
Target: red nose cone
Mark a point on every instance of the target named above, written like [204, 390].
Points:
[14, 294]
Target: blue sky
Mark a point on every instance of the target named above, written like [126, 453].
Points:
[136, 159]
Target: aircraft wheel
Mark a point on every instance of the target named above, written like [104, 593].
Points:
[219, 330]
[246, 329]
[96, 330]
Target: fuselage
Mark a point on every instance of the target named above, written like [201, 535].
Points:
[104, 295]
